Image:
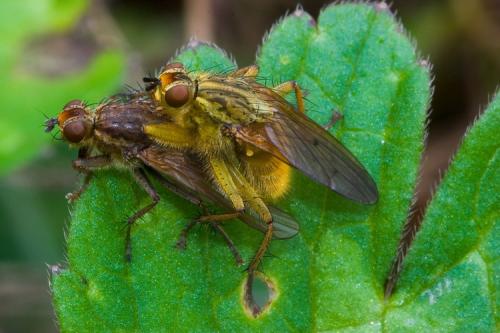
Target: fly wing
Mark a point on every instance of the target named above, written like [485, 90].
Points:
[284, 226]
[295, 139]
[255, 135]
[312, 150]
[186, 172]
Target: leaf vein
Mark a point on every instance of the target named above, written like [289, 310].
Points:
[322, 226]
[490, 285]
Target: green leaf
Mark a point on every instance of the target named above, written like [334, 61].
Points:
[25, 94]
[451, 272]
[204, 57]
[331, 277]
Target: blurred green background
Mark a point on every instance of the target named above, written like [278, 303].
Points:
[52, 51]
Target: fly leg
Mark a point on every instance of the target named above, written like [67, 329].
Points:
[180, 191]
[218, 217]
[229, 242]
[251, 197]
[214, 221]
[249, 71]
[141, 179]
[171, 134]
[336, 116]
[85, 164]
[75, 195]
[257, 204]
[222, 177]
[287, 87]
[89, 164]
[243, 191]
[252, 268]
[182, 240]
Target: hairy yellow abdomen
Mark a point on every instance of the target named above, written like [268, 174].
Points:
[269, 175]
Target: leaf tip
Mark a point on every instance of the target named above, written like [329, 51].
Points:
[300, 12]
[194, 45]
[55, 270]
[424, 63]
[381, 6]
[193, 42]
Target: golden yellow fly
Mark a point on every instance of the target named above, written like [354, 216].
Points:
[249, 136]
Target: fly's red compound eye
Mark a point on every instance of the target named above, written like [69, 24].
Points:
[177, 95]
[75, 131]
[74, 104]
[75, 110]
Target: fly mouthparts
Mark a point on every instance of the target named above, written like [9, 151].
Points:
[50, 124]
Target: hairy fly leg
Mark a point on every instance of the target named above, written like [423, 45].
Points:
[289, 86]
[141, 179]
[86, 165]
[214, 221]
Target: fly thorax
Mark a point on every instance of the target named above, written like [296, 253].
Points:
[215, 109]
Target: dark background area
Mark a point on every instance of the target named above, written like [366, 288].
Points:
[461, 38]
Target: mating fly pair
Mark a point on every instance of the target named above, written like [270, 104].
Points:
[249, 139]
[112, 135]
[224, 139]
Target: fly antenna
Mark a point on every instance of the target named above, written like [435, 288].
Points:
[49, 124]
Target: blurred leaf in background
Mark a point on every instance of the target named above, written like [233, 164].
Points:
[42, 69]
[50, 52]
